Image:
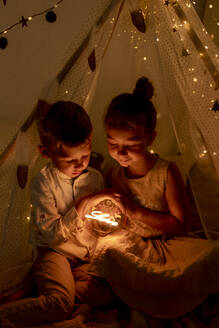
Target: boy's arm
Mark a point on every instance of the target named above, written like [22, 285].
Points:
[51, 227]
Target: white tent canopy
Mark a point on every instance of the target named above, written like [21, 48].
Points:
[174, 52]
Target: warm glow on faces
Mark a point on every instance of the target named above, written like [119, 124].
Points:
[74, 160]
[127, 147]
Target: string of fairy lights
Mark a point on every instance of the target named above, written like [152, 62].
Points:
[49, 14]
[203, 55]
[191, 45]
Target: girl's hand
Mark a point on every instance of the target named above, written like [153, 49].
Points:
[106, 192]
[129, 205]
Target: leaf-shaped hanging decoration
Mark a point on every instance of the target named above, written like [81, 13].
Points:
[138, 20]
[92, 60]
[91, 48]
[22, 175]
[215, 108]
[22, 157]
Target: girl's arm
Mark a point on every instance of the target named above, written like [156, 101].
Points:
[177, 221]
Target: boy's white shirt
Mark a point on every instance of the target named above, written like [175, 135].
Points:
[54, 220]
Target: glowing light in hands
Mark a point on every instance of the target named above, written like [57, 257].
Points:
[103, 217]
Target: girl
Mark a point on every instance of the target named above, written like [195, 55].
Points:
[155, 184]
[165, 273]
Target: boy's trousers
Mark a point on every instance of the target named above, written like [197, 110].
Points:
[58, 282]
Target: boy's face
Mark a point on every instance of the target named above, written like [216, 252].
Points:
[73, 161]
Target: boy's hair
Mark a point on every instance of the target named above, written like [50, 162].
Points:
[133, 110]
[65, 125]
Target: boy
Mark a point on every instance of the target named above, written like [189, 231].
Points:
[63, 246]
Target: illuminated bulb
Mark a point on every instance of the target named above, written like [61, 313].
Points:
[103, 217]
[187, 26]
[195, 79]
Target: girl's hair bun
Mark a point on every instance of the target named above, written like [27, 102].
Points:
[144, 88]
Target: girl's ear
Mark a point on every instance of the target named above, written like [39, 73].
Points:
[43, 151]
[152, 137]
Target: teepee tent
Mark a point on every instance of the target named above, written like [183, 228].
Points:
[121, 41]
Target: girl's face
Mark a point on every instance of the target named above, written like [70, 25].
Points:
[127, 147]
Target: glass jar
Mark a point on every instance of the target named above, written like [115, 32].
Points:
[103, 214]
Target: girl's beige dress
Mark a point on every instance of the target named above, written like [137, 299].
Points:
[163, 278]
